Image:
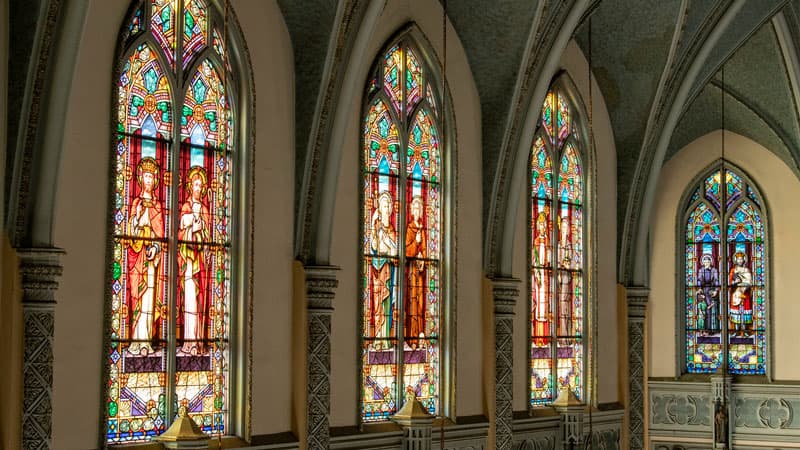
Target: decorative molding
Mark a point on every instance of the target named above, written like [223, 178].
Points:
[505, 292]
[681, 409]
[467, 436]
[549, 34]
[343, 44]
[321, 283]
[637, 316]
[757, 412]
[40, 269]
[19, 205]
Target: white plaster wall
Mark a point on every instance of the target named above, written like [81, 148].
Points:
[780, 189]
[344, 345]
[575, 65]
[81, 214]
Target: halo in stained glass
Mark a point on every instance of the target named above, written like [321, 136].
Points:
[144, 94]
[556, 256]
[736, 292]
[162, 25]
[401, 300]
[170, 292]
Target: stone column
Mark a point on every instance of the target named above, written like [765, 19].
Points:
[40, 269]
[721, 393]
[637, 316]
[505, 292]
[321, 283]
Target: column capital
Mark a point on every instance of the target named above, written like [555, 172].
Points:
[39, 268]
[505, 292]
[637, 297]
[321, 284]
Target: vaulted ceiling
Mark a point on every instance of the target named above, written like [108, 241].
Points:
[657, 64]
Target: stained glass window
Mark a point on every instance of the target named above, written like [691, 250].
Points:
[725, 272]
[170, 279]
[558, 304]
[402, 238]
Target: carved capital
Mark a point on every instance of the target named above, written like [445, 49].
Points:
[637, 302]
[40, 269]
[321, 284]
[505, 292]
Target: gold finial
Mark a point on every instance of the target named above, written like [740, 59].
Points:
[412, 412]
[183, 429]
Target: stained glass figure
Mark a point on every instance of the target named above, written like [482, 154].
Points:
[401, 289]
[736, 296]
[556, 256]
[158, 311]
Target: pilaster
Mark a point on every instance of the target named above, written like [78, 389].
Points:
[505, 292]
[40, 269]
[637, 317]
[321, 283]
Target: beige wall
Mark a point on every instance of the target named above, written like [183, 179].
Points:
[344, 345]
[575, 65]
[81, 214]
[779, 188]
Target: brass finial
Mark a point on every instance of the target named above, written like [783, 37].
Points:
[412, 413]
[183, 429]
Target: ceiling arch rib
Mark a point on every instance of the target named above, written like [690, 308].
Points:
[739, 21]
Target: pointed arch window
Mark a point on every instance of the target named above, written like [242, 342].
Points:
[725, 274]
[557, 258]
[402, 247]
[171, 296]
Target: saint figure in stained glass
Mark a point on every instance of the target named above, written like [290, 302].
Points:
[401, 244]
[742, 297]
[384, 243]
[145, 307]
[193, 231]
[708, 295]
[556, 255]
[416, 248]
[741, 304]
[170, 292]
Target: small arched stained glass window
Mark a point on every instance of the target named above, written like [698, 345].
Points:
[557, 257]
[725, 273]
[401, 227]
[172, 166]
